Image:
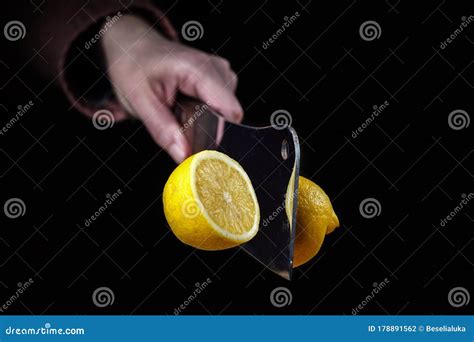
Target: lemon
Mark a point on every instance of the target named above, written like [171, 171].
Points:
[289, 198]
[210, 203]
[315, 218]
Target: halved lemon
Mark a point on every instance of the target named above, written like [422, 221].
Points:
[210, 203]
[315, 217]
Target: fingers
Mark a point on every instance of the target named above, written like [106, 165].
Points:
[161, 124]
[213, 82]
[224, 69]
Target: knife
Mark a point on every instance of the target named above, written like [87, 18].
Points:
[270, 156]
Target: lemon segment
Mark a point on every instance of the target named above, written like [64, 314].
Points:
[209, 202]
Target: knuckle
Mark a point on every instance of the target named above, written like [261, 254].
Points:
[233, 79]
[224, 62]
[191, 58]
[233, 75]
[196, 56]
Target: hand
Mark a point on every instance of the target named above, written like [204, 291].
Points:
[147, 70]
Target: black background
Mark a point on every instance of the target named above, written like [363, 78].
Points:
[328, 78]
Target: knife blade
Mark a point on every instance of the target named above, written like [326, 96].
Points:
[270, 156]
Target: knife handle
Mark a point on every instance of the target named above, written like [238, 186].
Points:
[202, 126]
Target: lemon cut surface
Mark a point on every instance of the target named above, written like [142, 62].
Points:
[210, 203]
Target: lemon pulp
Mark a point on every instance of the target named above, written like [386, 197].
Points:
[224, 194]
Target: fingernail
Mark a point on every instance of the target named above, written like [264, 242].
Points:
[177, 152]
[238, 116]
